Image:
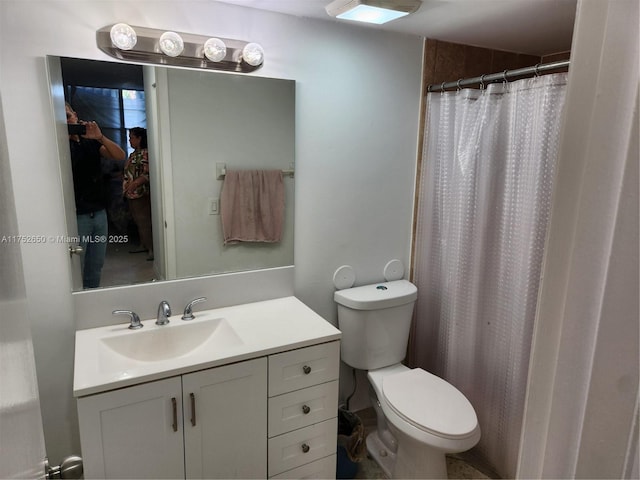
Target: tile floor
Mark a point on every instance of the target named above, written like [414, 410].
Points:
[457, 467]
[124, 268]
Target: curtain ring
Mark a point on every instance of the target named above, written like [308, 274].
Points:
[504, 76]
[535, 71]
[442, 87]
[458, 84]
[482, 81]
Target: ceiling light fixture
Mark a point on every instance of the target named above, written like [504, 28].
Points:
[372, 11]
[151, 45]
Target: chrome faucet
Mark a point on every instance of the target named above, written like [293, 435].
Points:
[188, 310]
[135, 319]
[164, 312]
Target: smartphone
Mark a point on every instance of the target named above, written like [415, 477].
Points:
[77, 129]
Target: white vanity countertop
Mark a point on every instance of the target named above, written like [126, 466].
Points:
[248, 331]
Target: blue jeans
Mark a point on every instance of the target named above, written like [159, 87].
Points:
[93, 229]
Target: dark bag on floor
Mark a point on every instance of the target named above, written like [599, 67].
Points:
[351, 434]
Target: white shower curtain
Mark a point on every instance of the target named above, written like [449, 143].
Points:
[485, 196]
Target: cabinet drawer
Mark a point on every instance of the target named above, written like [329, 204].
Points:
[301, 408]
[303, 368]
[302, 446]
[323, 468]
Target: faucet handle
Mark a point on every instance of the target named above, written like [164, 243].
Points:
[188, 310]
[135, 319]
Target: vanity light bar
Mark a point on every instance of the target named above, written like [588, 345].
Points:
[146, 49]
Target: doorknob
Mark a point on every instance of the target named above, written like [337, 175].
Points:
[75, 250]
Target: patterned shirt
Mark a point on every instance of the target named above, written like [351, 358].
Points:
[136, 166]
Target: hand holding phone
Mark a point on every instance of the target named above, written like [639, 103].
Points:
[92, 130]
[77, 129]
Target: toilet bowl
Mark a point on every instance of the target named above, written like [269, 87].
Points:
[420, 416]
[426, 417]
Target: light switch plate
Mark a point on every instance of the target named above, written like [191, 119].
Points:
[214, 206]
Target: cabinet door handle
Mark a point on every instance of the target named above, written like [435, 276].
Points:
[193, 409]
[305, 448]
[306, 369]
[306, 409]
[174, 406]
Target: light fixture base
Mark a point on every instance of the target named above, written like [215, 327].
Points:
[147, 50]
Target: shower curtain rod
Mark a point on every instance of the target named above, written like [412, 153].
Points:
[502, 76]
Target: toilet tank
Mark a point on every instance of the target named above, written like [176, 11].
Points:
[375, 321]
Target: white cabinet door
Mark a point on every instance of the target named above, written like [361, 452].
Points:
[225, 421]
[135, 432]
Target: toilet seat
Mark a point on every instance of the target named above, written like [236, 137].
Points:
[430, 404]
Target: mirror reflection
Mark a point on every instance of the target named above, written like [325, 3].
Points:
[179, 131]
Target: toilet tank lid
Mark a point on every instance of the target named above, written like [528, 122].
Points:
[377, 295]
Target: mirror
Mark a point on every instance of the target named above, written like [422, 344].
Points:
[198, 123]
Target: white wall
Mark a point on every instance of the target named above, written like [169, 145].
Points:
[358, 94]
[21, 441]
[581, 416]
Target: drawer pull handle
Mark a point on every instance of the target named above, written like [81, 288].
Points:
[193, 409]
[305, 448]
[174, 406]
[305, 409]
[306, 369]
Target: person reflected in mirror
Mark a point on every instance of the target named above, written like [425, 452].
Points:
[135, 187]
[91, 193]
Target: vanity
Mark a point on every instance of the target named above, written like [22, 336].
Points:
[248, 391]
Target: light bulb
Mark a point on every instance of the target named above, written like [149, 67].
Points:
[215, 49]
[253, 54]
[171, 44]
[123, 36]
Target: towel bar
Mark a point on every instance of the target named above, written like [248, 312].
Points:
[221, 170]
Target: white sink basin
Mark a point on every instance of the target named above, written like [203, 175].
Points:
[158, 343]
[113, 356]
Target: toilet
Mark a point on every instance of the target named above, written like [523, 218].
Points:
[420, 416]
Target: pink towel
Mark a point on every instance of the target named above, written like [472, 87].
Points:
[252, 206]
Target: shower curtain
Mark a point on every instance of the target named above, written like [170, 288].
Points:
[485, 196]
